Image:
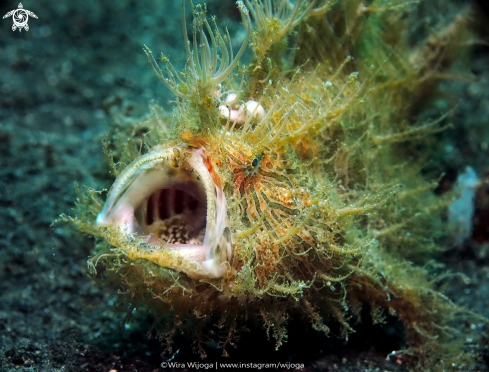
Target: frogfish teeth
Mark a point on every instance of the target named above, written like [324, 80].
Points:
[168, 202]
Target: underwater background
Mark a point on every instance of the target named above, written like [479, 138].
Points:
[58, 84]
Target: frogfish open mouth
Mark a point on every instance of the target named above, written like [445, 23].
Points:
[294, 187]
[169, 201]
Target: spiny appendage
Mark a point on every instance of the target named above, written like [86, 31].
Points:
[291, 230]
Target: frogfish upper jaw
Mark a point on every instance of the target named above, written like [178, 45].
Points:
[167, 201]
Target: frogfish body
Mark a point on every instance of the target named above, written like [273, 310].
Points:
[288, 188]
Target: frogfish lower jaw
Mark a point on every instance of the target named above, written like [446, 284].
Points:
[168, 203]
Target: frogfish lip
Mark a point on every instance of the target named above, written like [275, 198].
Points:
[169, 204]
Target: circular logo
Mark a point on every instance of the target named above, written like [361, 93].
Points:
[20, 18]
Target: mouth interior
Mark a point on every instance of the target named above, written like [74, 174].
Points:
[168, 199]
[175, 215]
